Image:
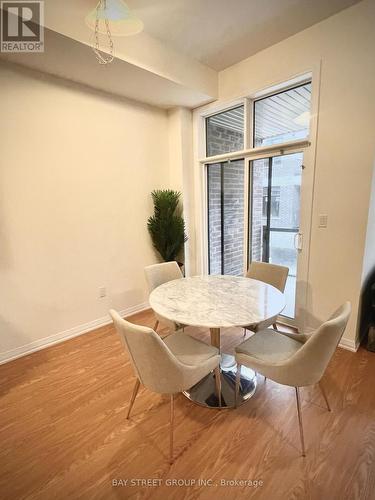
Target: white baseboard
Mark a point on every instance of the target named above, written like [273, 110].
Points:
[349, 345]
[40, 344]
[37, 345]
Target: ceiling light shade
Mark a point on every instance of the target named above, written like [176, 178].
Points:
[120, 19]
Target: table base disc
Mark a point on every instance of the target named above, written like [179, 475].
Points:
[204, 392]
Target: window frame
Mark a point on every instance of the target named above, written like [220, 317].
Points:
[254, 101]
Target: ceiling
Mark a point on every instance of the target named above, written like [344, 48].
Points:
[220, 33]
[176, 59]
[145, 69]
[74, 61]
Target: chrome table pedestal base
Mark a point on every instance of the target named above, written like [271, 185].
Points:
[204, 392]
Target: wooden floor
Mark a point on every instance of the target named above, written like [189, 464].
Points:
[63, 432]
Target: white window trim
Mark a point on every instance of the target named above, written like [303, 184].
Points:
[258, 152]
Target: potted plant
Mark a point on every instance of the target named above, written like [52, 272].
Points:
[167, 226]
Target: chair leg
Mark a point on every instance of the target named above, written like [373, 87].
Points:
[218, 384]
[134, 395]
[156, 325]
[244, 332]
[300, 421]
[237, 389]
[324, 395]
[275, 327]
[171, 419]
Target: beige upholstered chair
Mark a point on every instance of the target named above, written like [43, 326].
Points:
[166, 366]
[294, 359]
[156, 275]
[271, 274]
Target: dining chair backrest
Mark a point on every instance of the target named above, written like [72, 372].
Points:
[154, 364]
[308, 364]
[271, 274]
[157, 274]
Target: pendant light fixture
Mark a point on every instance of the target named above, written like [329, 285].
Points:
[111, 18]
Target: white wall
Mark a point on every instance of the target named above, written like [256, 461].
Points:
[76, 171]
[181, 174]
[345, 150]
[77, 168]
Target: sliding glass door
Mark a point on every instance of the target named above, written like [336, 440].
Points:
[270, 225]
[254, 204]
[274, 234]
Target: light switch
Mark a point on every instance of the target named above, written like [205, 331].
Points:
[323, 220]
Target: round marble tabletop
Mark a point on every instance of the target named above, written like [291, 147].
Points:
[217, 301]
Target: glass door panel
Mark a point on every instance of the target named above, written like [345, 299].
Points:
[214, 218]
[275, 207]
[284, 220]
[233, 210]
[258, 209]
[225, 192]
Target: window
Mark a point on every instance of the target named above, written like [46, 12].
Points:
[224, 132]
[282, 117]
[275, 201]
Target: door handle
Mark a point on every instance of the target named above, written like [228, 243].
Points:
[298, 241]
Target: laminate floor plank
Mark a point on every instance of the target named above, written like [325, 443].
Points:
[63, 431]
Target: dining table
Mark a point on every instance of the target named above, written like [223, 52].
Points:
[217, 302]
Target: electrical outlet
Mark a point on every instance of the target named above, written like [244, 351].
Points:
[102, 292]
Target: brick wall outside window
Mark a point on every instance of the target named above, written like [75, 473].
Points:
[222, 140]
